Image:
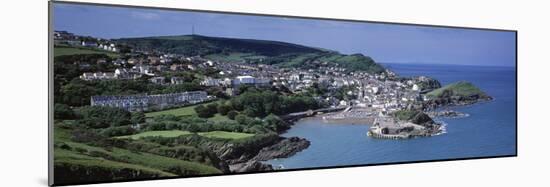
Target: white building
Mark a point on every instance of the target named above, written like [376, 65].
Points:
[244, 80]
[157, 80]
[210, 82]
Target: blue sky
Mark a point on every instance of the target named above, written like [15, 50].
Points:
[383, 42]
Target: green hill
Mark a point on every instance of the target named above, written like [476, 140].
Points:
[80, 162]
[251, 51]
[66, 50]
[461, 88]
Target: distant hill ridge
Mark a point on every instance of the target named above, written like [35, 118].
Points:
[252, 51]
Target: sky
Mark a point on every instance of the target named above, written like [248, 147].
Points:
[385, 43]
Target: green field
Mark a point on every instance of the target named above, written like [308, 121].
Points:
[60, 51]
[80, 155]
[461, 88]
[235, 57]
[183, 111]
[219, 118]
[186, 111]
[225, 135]
[176, 133]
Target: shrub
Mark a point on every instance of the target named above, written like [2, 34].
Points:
[103, 117]
[231, 114]
[63, 111]
[118, 131]
[224, 109]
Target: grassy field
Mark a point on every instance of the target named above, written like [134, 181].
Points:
[186, 111]
[183, 111]
[235, 57]
[219, 118]
[71, 158]
[225, 135]
[461, 88]
[59, 51]
[176, 133]
[74, 154]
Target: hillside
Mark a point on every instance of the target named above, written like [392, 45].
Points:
[252, 51]
[66, 50]
[461, 88]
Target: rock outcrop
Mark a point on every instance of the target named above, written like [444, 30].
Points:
[250, 166]
[455, 94]
[285, 148]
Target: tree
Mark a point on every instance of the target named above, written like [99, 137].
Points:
[118, 131]
[212, 108]
[231, 114]
[63, 111]
[205, 112]
[76, 93]
[223, 109]
[138, 117]
[275, 123]
[102, 117]
[242, 119]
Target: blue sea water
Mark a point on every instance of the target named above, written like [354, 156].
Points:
[490, 130]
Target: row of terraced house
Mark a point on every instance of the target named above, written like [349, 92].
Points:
[150, 102]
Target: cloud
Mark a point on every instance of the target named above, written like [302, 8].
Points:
[145, 15]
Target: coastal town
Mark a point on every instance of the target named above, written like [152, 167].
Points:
[223, 104]
[138, 94]
[365, 97]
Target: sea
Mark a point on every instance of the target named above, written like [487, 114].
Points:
[488, 131]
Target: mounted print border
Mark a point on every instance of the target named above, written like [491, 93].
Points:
[145, 93]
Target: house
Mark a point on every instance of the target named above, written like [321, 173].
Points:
[89, 44]
[147, 102]
[87, 76]
[98, 76]
[143, 69]
[157, 80]
[247, 79]
[177, 80]
[210, 82]
[176, 67]
[210, 63]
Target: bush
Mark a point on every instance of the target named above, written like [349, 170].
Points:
[275, 123]
[242, 119]
[103, 117]
[223, 109]
[63, 111]
[118, 131]
[206, 111]
[212, 108]
[231, 114]
[63, 146]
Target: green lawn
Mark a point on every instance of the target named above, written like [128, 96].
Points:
[186, 111]
[167, 134]
[59, 51]
[225, 135]
[219, 118]
[183, 111]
